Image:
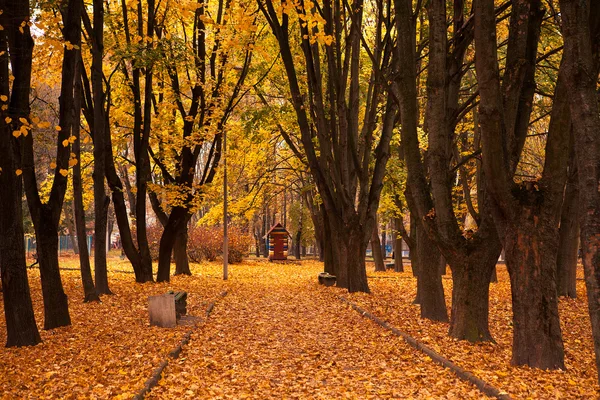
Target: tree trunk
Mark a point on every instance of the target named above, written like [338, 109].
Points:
[581, 27]
[398, 266]
[297, 245]
[568, 245]
[349, 251]
[182, 264]
[376, 249]
[21, 329]
[384, 242]
[430, 291]
[99, 132]
[329, 261]
[70, 224]
[177, 219]
[415, 264]
[531, 245]
[89, 290]
[470, 287]
[100, 230]
[56, 307]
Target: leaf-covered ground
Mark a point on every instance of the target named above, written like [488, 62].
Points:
[391, 297]
[278, 334]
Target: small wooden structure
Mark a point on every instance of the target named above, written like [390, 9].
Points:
[277, 242]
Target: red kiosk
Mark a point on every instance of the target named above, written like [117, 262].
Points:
[277, 241]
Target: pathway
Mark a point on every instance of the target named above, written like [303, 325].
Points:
[284, 336]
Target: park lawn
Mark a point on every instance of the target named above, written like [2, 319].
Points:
[279, 334]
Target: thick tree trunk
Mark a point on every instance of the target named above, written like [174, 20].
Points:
[177, 219]
[470, 288]
[376, 249]
[531, 245]
[568, 245]
[348, 253]
[581, 27]
[430, 291]
[182, 264]
[56, 307]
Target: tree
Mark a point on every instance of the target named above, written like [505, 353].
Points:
[18, 310]
[526, 214]
[346, 159]
[581, 30]
[203, 105]
[471, 257]
[46, 215]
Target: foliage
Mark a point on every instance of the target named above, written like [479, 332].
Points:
[206, 243]
[154, 232]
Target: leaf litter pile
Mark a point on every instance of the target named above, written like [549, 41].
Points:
[278, 334]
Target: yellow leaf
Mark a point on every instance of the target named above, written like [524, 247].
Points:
[52, 165]
[72, 162]
[8, 120]
[65, 143]
[18, 172]
[16, 133]
[58, 128]
[63, 172]
[3, 97]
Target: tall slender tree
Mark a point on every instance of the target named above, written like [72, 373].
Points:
[18, 309]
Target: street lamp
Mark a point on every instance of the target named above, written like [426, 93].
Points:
[225, 237]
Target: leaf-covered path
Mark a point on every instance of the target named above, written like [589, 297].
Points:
[278, 334]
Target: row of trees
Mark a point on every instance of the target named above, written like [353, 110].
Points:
[476, 118]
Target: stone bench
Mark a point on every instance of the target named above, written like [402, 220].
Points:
[165, 310]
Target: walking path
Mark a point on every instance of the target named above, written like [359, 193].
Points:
[281, 335]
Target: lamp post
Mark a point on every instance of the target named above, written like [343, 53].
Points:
[225, 237]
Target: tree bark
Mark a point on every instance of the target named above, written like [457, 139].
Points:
[21, 329]
[349, 255]
[70, 224]
[376, 249]
[398, 265]
[526, 215]
[89, 290]
[531, 261]
[100, 230]
[568, 244]
[470, 286]
[99, 132]
[182, 264]
[581, 26]
[430, 291]
[177, 219]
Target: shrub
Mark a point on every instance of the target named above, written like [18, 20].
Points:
[239, 245]
[154, 232]
[206, 243]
